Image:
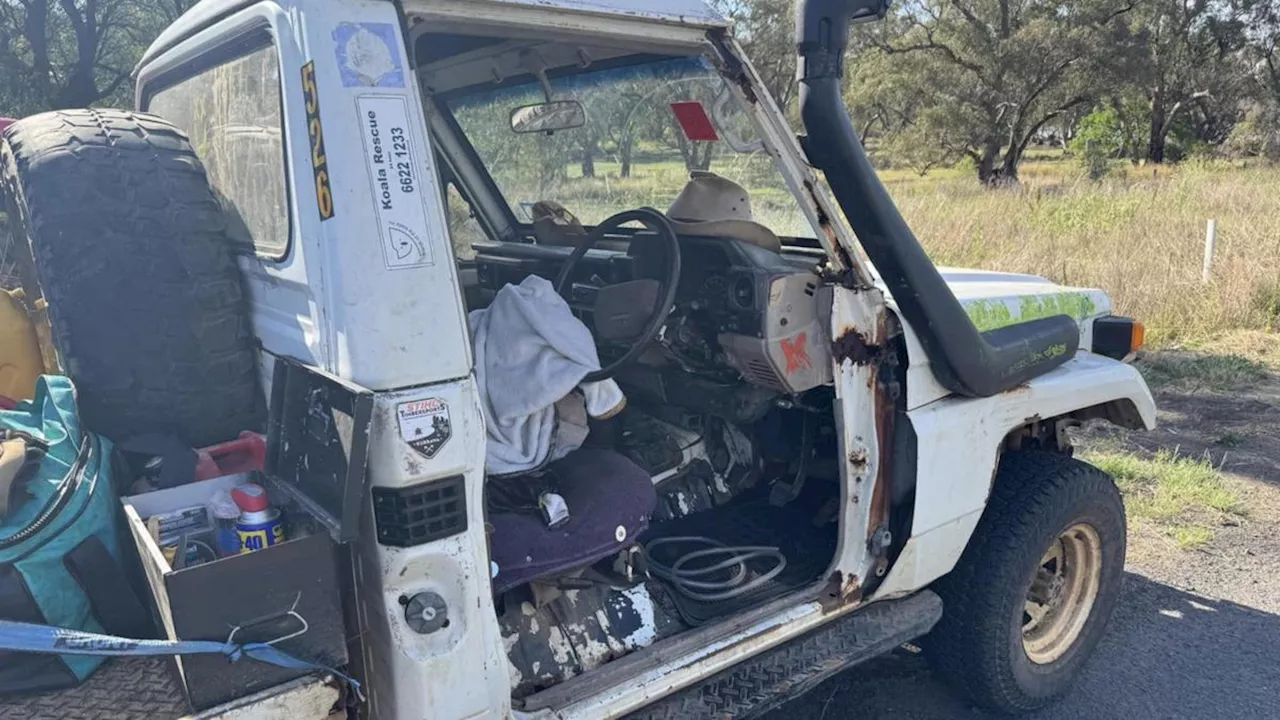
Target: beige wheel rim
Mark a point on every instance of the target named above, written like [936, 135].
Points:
[1062, 594]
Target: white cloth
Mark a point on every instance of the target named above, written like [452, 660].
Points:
[531, 352]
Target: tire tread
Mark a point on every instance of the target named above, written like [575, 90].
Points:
[146, 303]
[969, 647]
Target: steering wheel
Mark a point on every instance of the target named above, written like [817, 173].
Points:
[632, 311]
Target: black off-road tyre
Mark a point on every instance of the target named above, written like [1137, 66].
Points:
[978, 645]
[127, 243]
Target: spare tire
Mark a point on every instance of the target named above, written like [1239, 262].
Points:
[128, 245]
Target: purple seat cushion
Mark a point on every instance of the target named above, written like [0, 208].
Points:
[604, 491]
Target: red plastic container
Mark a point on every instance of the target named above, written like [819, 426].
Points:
[248, 453]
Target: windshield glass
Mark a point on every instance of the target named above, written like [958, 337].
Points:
[648, 126]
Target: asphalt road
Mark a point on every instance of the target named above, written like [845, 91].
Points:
[1168, 653]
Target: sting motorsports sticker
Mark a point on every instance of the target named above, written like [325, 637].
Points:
[424, 424]
[368, 55]
[394, 173]
[319, 162]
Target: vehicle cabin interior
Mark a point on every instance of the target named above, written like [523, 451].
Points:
[624, 199]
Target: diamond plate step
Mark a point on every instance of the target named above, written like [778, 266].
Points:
[122, 689]
[766, 681]
[147, 688]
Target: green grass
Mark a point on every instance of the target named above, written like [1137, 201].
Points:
[1182, 496]
[1192, 536]
[1188, 370]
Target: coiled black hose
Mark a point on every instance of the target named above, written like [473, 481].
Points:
[691, 582]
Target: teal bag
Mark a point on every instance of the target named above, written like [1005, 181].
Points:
[60, 547]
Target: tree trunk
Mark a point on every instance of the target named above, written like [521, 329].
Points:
[589, 160]
[702, 155]
[80, 90]
[1009, 168]
[35, 30]
[624, 157]
[1156, 141]
[988, 175]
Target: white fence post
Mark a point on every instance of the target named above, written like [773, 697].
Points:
[1210, 241]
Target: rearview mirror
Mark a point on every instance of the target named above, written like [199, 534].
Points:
[548, 117]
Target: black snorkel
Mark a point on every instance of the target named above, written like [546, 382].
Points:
[964, 360]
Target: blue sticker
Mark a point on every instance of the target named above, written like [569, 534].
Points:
[368, 55]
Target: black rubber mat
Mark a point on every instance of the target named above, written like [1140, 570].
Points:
[808, 551]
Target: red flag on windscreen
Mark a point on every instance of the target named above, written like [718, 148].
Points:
[694, 121]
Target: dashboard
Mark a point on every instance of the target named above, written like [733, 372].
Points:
[720, 277]
[735, 304]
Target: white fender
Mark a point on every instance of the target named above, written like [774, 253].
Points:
[959, 441]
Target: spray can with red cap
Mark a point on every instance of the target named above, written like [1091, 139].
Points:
[259, 525]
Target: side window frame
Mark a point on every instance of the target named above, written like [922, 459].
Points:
[449, 179]
[244, 42]
[454, 154]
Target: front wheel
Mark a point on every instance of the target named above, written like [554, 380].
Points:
[1032, 593]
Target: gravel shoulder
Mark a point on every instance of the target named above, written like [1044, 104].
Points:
[1196, 633]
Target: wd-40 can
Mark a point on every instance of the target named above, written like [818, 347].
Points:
[259, 525]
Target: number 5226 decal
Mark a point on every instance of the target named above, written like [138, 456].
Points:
[319, 163]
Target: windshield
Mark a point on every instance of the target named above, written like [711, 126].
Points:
[647, 127]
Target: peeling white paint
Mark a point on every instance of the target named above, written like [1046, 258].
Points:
[561, 650]
[591, 651]
[616, 646]
[642, 603]
[684, 504]
[509, 643]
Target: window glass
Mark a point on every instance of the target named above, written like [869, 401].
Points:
[647, 126]
[232, 115]
[464, 229]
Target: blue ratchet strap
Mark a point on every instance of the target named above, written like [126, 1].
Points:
[26, 637]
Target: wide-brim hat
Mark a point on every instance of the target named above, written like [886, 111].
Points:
[714, 206]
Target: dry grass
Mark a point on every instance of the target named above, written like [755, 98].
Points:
[1139, 236]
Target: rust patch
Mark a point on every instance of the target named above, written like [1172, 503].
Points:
[884, 396]
[884, 472]
[853, 346]
[858, 458]
[824, 221]
[733, 68]
[829, 230]
[840, 591]
[851, 587]
[1017, 389]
